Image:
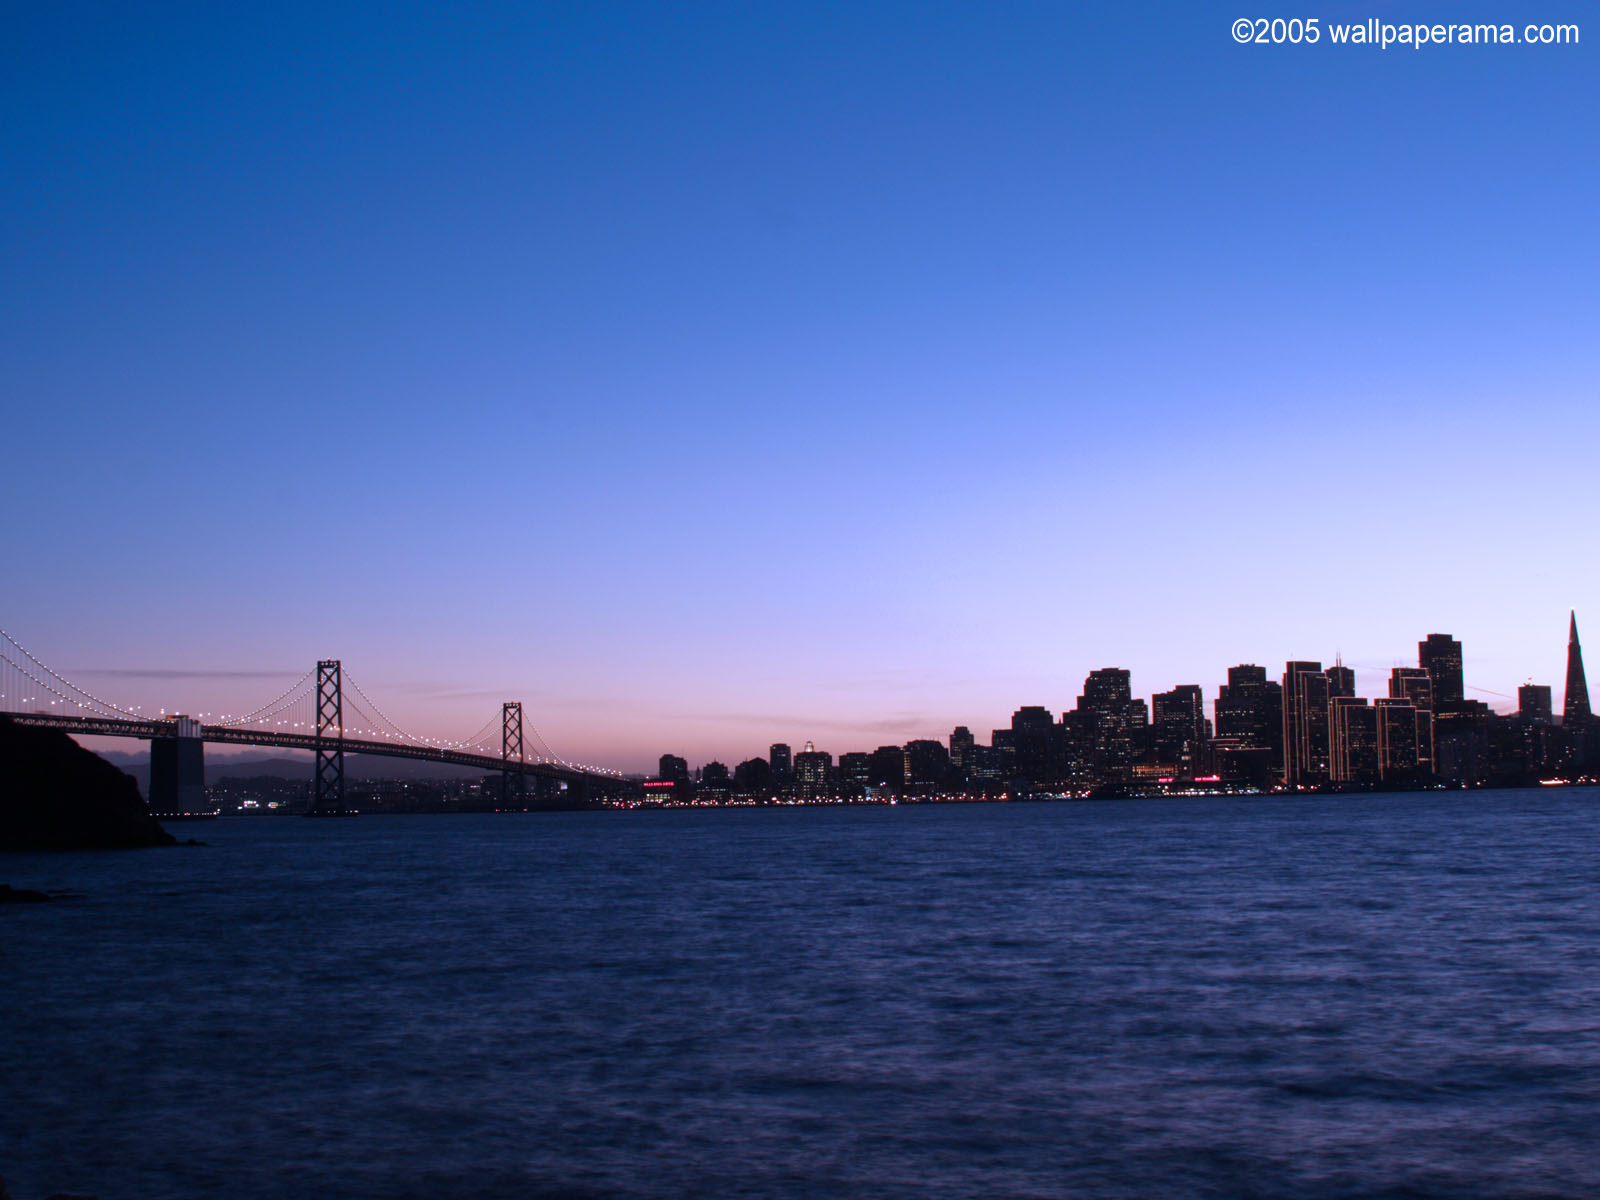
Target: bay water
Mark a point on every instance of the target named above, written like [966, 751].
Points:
[1381, 995]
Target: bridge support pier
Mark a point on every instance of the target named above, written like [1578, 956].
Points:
[178, 771]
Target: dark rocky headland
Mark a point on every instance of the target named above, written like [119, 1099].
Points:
[55, 795]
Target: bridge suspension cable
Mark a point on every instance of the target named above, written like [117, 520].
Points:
[538, 740]
[385, 719]
[11, 691]
[487, 735]
[272, 707]
[105, 707]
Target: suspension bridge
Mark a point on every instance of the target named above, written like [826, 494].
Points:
[325, 712]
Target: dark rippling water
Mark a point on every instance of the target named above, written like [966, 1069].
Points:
[1375, 996]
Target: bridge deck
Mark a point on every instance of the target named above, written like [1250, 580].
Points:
[149, 730]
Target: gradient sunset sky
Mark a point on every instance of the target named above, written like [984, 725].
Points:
[707, 375]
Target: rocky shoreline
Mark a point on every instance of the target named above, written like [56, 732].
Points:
[59, 796]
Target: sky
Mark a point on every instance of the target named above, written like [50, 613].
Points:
[707, 375]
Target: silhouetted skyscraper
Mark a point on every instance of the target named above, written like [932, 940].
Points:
[1305, 724]
[1341, 681]
[1031, 730]
[1353, 755]
[1250, 708]
[753, 776]
[811, 770]
[1575, 711]
[855, 772]
[778, 759]
[1249, 712]
[1534, 704]
[1440, 656]
[1110, 722]
[1401, 729]
[927, 762]
[961, 743]
[887, 768]
[1178, 725]
[1413, 684]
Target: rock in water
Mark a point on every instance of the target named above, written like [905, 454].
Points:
[55, 795]
[11, 895]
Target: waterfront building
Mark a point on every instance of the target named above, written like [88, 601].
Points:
[888, 768]
[1032, 730]
[1305, 724]
[855, 772]
[1110, 725]
[779, 762]
[1400, 733]
[1179, 730]
[1249, 725]
[984, 768]
[1003, 754]
[1352, 740]
[714, 784]
[927, 763]
[961, 744]
[812, 767]
[753, 777]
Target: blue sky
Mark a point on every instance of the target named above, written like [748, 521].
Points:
[708, 375]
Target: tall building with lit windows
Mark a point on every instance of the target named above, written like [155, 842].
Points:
[1341, 681]
[1179, 730]
[782, 767]
[1249, 725]
[1440, 655]
[1413, 684]
[1352, 740]
[1305, 724]
[1401, 729]
[961, 755]
[1535, 704]
[1110, 724]
[811, 770]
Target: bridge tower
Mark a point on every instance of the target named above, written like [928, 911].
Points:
[513, 784]
[327, 791]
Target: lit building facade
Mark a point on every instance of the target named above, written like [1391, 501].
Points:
[1352, 740]
[1305, 725]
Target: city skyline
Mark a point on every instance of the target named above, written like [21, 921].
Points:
[1394, 715]
[699, 379]
[1364, 681]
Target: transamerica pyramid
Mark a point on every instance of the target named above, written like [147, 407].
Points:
[1575, 711]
